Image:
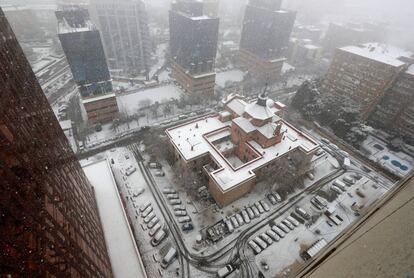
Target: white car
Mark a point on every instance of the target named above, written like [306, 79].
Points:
[146, 212]
[278, 231]
[260, 242]
[288, 224]
[273, 235]
[265, 205]
[293, 221]
[246, 217]
[149, 217]
[154, 229]
[152, 223]
[259, 207]
[266, 238]
[256, 249]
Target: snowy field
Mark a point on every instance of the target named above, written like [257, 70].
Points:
[123, 253]
[397, 162]
[231, 76]
[129, 103]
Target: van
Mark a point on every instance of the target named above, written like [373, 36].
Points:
[184, 219]
[225, 271]
[169, 257]
[303, 213]
[144, 206]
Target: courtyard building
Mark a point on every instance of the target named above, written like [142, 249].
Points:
[240, 146]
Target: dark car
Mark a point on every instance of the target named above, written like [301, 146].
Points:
[187, 227]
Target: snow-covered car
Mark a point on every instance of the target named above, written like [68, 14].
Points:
[152, 223]
[250, 212]
[259, 207]
[265, 205]
[149, 217]
[278, 231]
[260, 242]
[256, 249]
[288, 224]
[293, 221]
[266, 238]
[246, 217]
[273, 235]
[272, 199]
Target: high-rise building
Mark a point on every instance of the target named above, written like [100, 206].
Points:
[49, 222]
[83, 48]
[395, 112]
[364, 73]
[265, 38]
[193, 47]
[125, 34]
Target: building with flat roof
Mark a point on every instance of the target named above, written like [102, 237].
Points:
[50, 226]
[193, 47]
[265, 38]
[83, 48]
[237, 147]
[125, 35]
[364, 72]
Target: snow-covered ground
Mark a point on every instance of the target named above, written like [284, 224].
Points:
[128, 186]
[397, 162]
[286, 254]
[229, 76]
[129, 103]
[123, 253]
[160, 54]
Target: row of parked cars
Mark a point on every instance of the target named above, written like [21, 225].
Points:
[246, 215]
[179, 209]
[274, 234]
[153, 223]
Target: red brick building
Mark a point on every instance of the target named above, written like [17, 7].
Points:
[236, 148]
[49, 222]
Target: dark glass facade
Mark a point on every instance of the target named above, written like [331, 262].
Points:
[266, 32]
[49, 222]
[84, 51]
[193, 41]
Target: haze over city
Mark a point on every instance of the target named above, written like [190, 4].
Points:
[206, 138]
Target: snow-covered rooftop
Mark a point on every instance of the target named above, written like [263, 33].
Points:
[237, 105]
[261, 112]
[123, 252]
[96, 98]
[379, 52]
[196, 138]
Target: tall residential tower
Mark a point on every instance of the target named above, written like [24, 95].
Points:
[49, 222]
[193, 46]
